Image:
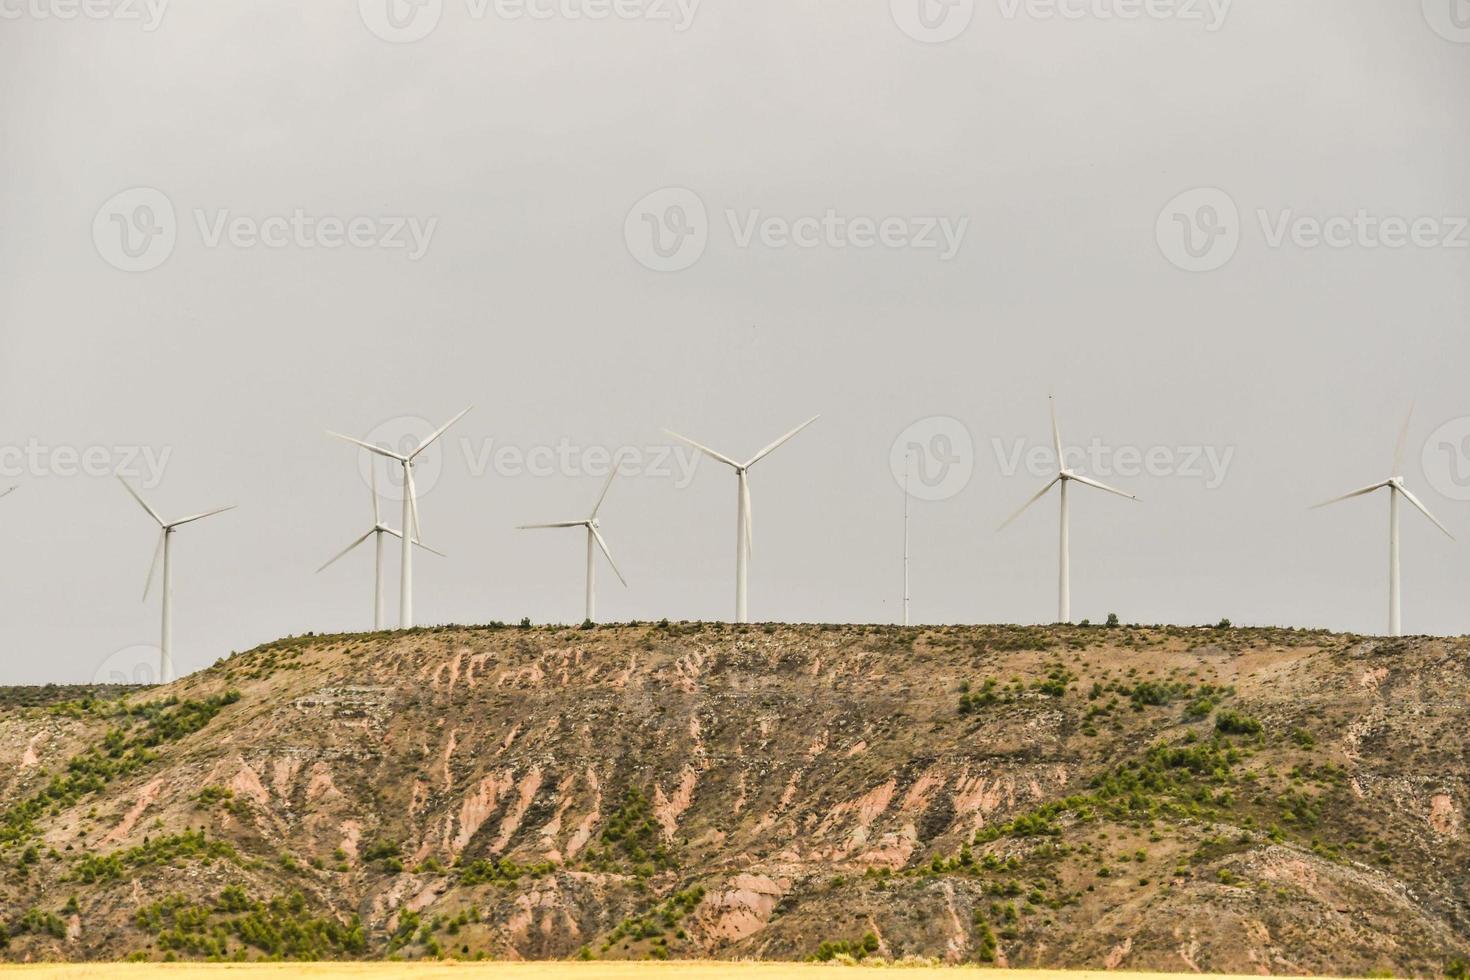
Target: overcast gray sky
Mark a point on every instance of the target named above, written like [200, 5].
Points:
[1230, 237]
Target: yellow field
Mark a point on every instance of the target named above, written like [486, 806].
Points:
[531, 971]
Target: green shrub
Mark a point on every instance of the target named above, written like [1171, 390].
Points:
[1235, 723]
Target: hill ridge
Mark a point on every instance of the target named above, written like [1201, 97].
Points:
[1172, 798]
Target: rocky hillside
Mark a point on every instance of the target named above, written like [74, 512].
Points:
[1222, 800]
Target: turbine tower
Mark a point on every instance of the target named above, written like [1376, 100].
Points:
[594, 540]
[410, 513]
[742, 508]
[376, 532]
[1064, 476]
[165, 548]
[1396, 489]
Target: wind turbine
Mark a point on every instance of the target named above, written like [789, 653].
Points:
[594, 537]
[742, 509]
[376, 532]
[1396, 489]
[410, 513]
[165, 548]
[1064, 476]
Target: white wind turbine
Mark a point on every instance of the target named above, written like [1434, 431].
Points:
[1064, 476]
[1396, 489]
[594, 538]
[376, 532]
[165, 548]
[410, 513]
[742, 510]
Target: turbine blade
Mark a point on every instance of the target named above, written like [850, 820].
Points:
[416, 543]
[1039, 494]
[704, 449]
[612, 473]
[1102, 486]
[413, 499]
[153, 566]
[367, 445]
[344, 551]
[1398, 449]
[373, 480]
[200, 517]
[779, 442]
[1056, 433]
[438, 432]
[1349, 496]
[749, 527]
[151, 512]
[1425, 511]
[603, 545]
[538, 527]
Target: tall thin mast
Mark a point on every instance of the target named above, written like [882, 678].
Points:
[907, 466]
